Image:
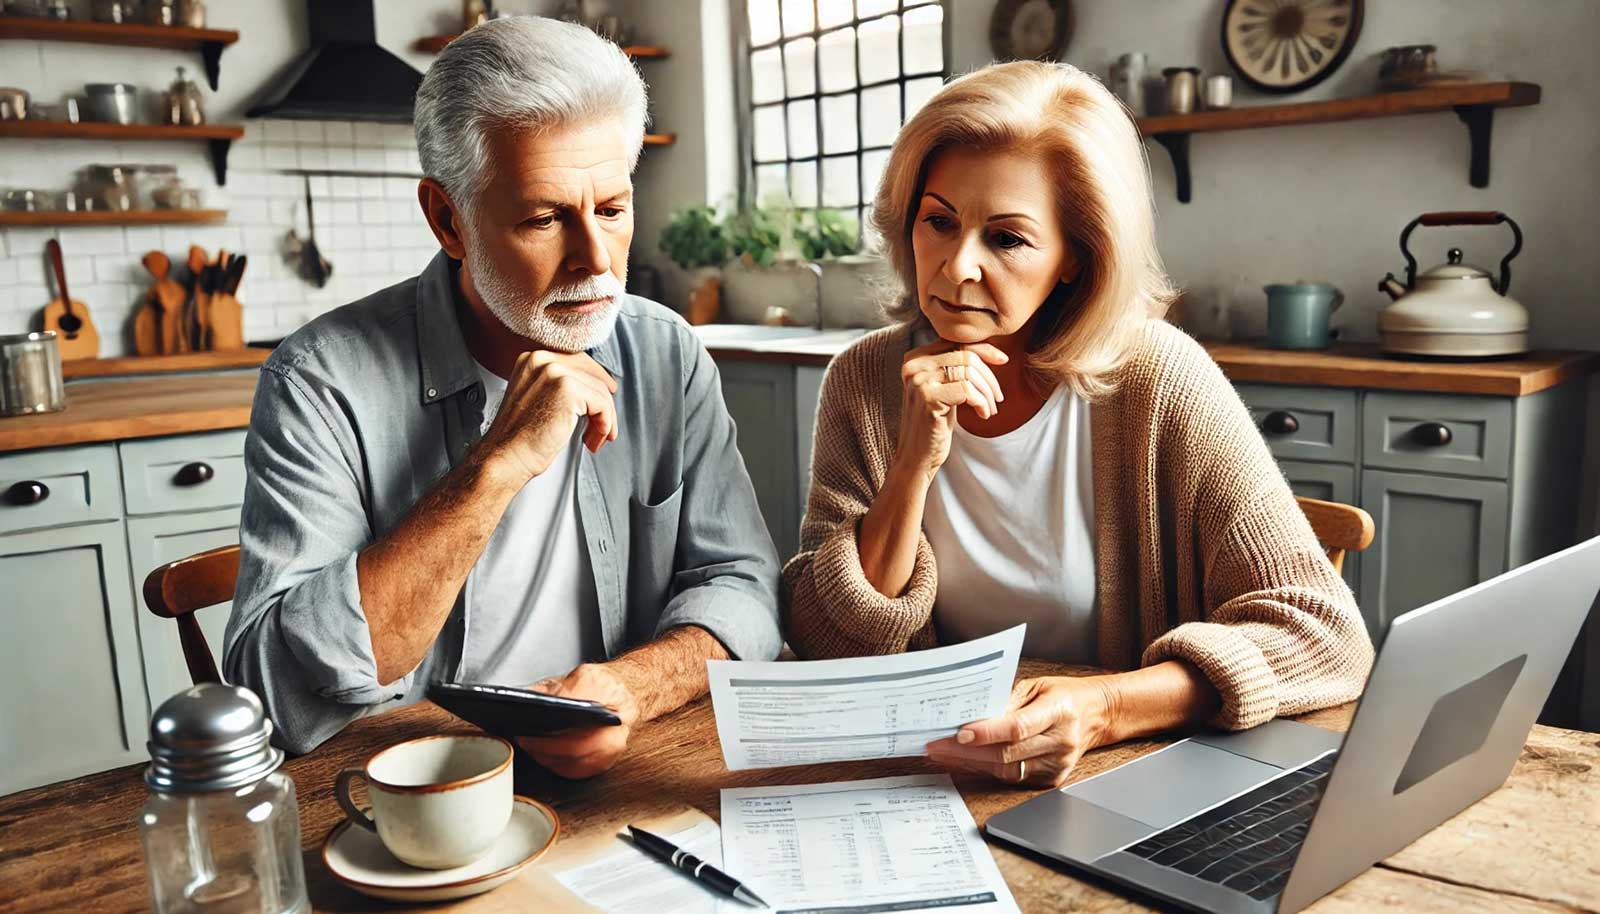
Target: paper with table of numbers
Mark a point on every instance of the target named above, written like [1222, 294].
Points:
[803, 712]
[900, 844]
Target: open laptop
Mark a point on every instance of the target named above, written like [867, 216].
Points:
[1271, 819]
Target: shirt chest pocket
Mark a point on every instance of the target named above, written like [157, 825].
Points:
[653, 546]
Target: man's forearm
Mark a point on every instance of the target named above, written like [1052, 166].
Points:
[409, 579]
[670, 671]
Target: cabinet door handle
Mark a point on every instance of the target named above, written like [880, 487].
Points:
[1280, 422]
[192, 474]
[1431, 434]
[27, 492]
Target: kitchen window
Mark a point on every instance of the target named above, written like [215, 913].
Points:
[827, 85]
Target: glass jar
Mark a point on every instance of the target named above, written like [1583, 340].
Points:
[117, 11]
[192, 13]
[113, 187]
[184, 104]
[160, 12]
[220, 829]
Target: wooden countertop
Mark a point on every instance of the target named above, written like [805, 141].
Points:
[1344, 365]
[1526, 847]
[248, 357]
[109, 410]
[145, 408]
[1362, 365]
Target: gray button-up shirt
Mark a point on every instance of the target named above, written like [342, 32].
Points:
[357, 415]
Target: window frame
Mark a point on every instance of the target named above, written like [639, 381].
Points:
[744, 98]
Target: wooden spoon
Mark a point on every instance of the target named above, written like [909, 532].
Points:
[76, 333]
[167, 298]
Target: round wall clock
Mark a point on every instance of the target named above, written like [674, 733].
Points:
[1030, 29]
[1283, 46]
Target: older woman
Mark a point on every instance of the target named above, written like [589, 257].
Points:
[1031, 443]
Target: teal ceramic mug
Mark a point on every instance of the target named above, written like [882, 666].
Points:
[1298, 314]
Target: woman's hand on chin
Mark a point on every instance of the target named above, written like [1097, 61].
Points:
[1050, 723]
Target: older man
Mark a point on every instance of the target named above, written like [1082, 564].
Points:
[504, 470]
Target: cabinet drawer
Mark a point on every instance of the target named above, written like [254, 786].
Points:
[77, 484]
[185, 473]
[1462, 436]
[1304, 423]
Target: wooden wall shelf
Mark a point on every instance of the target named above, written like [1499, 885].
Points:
[114, 217]
[219, 136]
[433, 44]
[209, 42]
[1473, 103]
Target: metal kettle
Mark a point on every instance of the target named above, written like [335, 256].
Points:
[1454, 309]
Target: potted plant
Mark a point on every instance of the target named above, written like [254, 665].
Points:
[852, 283]
[694, 239]
[769, 282]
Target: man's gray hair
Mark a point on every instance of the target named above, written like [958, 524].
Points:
[522, 72]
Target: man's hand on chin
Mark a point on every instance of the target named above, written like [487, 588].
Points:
[590, 751]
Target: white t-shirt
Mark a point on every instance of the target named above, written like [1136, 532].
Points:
[532, 609]
[1011, 523]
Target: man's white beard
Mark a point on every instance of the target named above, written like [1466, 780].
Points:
[530, 316]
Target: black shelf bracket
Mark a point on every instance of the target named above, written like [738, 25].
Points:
[1178, 147]
[211, 55]
[1480, 127]
[219, 159]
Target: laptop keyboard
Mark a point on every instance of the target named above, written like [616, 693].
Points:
[1249, 843]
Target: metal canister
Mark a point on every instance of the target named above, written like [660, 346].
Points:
[1216, 93]
[30, 374]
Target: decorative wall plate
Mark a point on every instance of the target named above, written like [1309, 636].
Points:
[1030, 29]
[1283, 46]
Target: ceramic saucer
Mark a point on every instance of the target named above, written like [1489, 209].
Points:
[358, 859]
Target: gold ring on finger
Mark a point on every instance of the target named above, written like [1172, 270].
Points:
[953, 373]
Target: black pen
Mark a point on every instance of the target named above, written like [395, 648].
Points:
[664, 850]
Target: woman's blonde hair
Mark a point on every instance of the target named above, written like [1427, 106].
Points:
[1088, 327]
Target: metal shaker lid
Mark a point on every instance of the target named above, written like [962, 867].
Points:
[210, 737]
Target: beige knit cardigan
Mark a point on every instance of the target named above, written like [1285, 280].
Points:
[1201, 553]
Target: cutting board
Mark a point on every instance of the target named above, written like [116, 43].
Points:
[164, 304]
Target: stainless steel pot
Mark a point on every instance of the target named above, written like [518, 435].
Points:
[112, 103]
[30, 374]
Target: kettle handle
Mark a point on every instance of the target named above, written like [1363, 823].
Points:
[1478, 217]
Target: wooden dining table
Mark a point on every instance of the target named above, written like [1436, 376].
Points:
[1531, 846]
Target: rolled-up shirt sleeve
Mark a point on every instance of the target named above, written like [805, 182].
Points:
[298, 636]
[725, 576]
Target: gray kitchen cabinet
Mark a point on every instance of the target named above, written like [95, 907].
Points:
[1460, 487]
[71, 687]
[1435, 535]
[91, 522]
[760, 398]
[153, 542]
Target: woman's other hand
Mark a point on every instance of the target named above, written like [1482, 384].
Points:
[1050, 723]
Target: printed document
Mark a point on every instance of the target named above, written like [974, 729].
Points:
[802, 712]
[624, 879]
[899, 844]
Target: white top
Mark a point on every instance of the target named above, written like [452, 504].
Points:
[532, 611]
[1011, 523]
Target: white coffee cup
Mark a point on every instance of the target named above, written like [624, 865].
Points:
[438, 801]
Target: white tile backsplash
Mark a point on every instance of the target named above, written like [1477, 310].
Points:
[370, 228]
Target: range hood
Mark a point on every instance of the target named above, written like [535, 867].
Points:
[346, 75]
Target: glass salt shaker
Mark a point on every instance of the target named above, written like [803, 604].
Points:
[220, 829]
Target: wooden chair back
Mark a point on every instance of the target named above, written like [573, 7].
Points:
[1340, 528]
[177, 589]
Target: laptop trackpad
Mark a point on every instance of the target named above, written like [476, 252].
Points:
[1166, 787]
